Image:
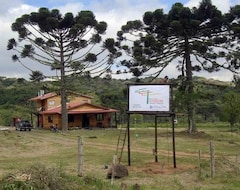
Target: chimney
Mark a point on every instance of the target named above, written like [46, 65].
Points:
[41, 92]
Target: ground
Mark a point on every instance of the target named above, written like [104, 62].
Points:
[19, 149]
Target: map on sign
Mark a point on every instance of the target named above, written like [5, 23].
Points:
[149, 98]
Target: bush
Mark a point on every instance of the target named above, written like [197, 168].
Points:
[36, 177]
[39, 177]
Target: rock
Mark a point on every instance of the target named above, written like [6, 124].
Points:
[119, 171]
[123, 186]
[105, 166]
[136, 187]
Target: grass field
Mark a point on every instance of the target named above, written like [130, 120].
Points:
[20, 149]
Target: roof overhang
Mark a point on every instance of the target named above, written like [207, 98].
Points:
[75, 112]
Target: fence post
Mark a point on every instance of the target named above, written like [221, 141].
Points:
[199, 162]
[212, 164]
[80, 156]
[113, 168]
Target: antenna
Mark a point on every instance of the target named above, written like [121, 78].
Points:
[41, 92]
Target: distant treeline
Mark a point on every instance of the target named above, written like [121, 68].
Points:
[15, 93]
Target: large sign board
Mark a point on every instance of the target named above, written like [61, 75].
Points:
[149, 98]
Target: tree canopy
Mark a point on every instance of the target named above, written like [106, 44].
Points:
[203, 33]
[67, 43]
[195, 39]
[52, 39]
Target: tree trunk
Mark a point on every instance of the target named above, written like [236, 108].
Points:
[189, 89]
[64, 104]
[63, 94]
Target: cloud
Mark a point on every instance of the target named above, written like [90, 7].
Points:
[115, 12]
[7, 5]
[9, 68]
[71, 7]
[223, 5]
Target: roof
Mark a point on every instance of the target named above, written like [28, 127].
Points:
[44, 96]
[52, 94]
[78, 108]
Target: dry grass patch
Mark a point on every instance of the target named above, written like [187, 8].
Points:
[20, 150]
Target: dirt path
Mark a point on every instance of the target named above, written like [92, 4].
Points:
[144, 150]
[64, 141]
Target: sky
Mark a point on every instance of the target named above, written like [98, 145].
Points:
[115, 12]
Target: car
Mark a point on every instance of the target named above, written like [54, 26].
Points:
[24, 125]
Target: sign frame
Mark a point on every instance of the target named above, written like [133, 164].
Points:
[164, 103]
[150, 98]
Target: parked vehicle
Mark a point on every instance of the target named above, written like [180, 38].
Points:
[24, 125]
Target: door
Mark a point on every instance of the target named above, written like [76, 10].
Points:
[85, 121]
[40, 121]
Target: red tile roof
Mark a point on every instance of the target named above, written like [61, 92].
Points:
[72, 106]
[52, 94]
[44, 96]
[92, 111]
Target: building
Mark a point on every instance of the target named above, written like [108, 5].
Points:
[81, 112]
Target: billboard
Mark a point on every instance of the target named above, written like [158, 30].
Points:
[149, 98]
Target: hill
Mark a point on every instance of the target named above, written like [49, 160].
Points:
[15, 92]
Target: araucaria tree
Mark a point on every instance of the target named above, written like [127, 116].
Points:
[195, 39]
[68, 44]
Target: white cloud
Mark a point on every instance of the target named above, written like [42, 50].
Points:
[71, 7]
[222, 5]
[114, 12]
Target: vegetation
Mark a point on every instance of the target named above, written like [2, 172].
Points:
[113, 93]
[195, 39]
[72, 45]
[38, 177]
[46, 160]
[231, 107]
[64, 43]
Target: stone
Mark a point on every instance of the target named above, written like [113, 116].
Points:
[120, 171]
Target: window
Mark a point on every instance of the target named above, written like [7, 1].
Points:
[51, 103]
[50, 119]
[99, 117]
[70, 118]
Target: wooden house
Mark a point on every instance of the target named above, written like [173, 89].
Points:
[81, 112]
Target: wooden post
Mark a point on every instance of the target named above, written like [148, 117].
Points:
[129, 146]
[113, 168]
[80, 156]
[212, 164]
[199, 162]
[156, 141]
[173, 141]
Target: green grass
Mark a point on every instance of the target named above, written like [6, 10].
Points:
[21, 150]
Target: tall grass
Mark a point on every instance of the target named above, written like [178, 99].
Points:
[55, 154]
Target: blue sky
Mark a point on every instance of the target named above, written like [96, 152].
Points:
[52, 3]
[221, 4]
[114, 12]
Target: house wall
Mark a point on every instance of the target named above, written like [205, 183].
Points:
[73, 98]
[55, 101]
[106, 122]
[77, 123]
[56, 120]
[41, 105]
[84, 107]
